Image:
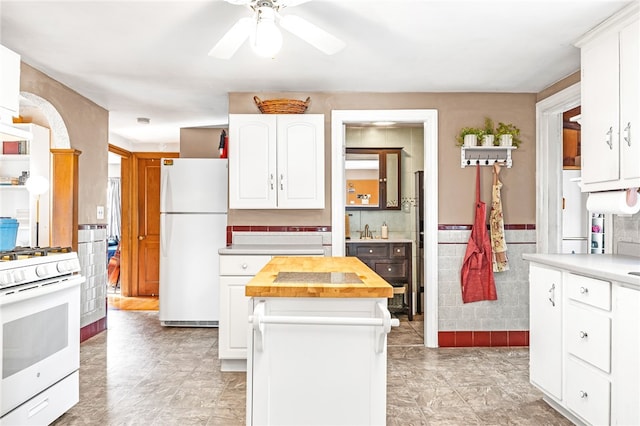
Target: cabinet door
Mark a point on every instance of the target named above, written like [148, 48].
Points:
[252, 161]
[545, 335]
[234, 323]
[629, 99]
[625, 388]
[600, 112]
[9, 84]
[300, 178]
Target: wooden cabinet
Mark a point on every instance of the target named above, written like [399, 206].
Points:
[276, 161]
[373, 178]
[610, 104]
[392, 261]
[15, 200]
[545, 329]
[585, 344]
[9, 84]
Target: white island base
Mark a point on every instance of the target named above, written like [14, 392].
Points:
[306, 366]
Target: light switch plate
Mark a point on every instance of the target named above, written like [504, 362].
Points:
[100, 212]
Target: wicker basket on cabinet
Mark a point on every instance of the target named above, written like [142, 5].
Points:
[282, 106]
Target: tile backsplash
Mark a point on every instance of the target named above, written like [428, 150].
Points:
[626, 228]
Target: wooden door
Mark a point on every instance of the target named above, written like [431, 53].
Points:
[148, 226]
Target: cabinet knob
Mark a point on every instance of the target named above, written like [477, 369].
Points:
[397, 250]
[244, 266]
[583, 394]
[584, 290]
[370, 250]
[389, 269]
[583, 335]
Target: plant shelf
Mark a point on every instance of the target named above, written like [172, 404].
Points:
[485, 155]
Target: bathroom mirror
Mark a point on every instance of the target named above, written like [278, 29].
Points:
[373, 178]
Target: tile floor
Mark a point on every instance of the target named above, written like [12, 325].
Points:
[139, 373]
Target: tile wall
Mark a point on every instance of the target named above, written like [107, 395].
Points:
[626, 228]
[92, 253]
[511, 311]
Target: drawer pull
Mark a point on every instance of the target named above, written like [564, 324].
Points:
[389, 269]
[397, 250]
[609, 140]
[584, 290]
[244, 266]
[583, 394]
[370, 250]
[583, 335]
[552, 293]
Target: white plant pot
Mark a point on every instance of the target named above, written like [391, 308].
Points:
[487, 140]
[506, 140]
[470, 140]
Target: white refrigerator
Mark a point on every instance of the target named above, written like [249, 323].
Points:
[193, 226]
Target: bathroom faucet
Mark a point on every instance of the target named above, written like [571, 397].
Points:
[367, 233]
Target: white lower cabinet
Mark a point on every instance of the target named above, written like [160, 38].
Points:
[545, 329]
[235, 272]
[587, 393]
[625, 395]
[585, 346]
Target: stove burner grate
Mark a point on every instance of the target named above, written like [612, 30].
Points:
[29, 252]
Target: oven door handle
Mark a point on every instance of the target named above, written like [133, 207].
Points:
[29, 291]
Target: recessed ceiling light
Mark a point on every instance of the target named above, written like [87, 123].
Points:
[144, 120]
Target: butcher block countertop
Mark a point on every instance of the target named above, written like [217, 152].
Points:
[339, 277]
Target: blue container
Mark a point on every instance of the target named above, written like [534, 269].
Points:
[8, 233]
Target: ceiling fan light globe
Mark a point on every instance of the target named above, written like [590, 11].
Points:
[266, 40]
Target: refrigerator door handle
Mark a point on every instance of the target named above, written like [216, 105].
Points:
[163, 235]
[164, 187]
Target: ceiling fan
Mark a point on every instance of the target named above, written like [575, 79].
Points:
[263, 32]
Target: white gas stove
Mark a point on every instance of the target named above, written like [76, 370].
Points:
[39, 334]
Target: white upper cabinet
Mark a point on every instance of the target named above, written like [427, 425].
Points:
[610, 97]
[276, 161]
[9, 84]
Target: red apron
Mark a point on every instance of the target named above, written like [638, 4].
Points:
[477, 270]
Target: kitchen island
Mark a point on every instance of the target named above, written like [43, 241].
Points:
[317, 346]
[585, 335]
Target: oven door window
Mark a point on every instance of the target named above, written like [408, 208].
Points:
[33, 338]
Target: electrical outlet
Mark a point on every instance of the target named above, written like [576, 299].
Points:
[100, 212]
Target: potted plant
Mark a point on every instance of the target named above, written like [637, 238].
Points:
[488, 136]
[469, 136]
[508, 134]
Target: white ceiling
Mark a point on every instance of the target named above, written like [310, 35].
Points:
[149, 58]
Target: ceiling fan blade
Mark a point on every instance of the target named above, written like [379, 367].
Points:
[318, 38]
[233, 39]
[290, 3]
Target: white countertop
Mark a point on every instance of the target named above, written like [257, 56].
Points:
[273, 249]
[379, 240]
[609, 267]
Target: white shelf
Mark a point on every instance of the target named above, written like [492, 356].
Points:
[485, 155]
[14, 157]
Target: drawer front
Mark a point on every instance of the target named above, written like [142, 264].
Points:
[588, 336]
[371, 250]
[392, 270]
[589, 290]
[399, 250]
[242, 264]
[587, 393]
